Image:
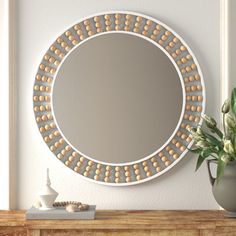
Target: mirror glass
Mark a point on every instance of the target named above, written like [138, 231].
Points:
[117, 98]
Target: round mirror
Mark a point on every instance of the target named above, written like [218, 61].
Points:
[114, 96]
[117, 98]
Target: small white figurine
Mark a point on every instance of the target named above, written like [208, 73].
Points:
[47, 195]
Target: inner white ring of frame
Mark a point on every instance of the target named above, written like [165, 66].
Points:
[147, 160]
[183, 96]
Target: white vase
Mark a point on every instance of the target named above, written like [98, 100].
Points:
[47, 195]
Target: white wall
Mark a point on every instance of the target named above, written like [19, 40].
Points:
[38, 23]
[232, 40]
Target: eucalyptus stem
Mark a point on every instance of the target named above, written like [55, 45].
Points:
[224, 125]
[218, 132]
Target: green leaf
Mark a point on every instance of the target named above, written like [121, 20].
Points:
[213, 140]
[220, 169]
[233, 101]
[196, 150]
[206, 153]
[200, 160]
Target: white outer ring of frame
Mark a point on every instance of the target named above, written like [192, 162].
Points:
[203, 103]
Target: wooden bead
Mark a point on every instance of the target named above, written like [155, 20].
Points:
[149, 173]
[76, 169]
[174, 141]
[153, 159]
[160, 154]
[184, 60]
[117, 16]
[146, 27]
[146, 168]
[107, 23]
[158, 27]
[90, 33]
[117, 180]
[63, 152]
[106, 179]
[117, 168]
[156, 32]
[97, 172]
[99, 166]
[171, 152]
[107, 17]
[127, 23]
[138, 177]
[76, 27]
[79, 164]
[144, 163]
[128, 179]
[164, 158]
[135, 166]
[117, 22]
[36, 108]
[175, 40]
[163, 37]
[117, 174]
[127, 174]
[158, 169]
[155, 164]
[90, 163]
[88, 168]
[98, 25]
[138, 18]
[59, 156]
[71, 158]
[128, 17]
[137, 171]
[188, 68]
[86, 22]
[86, 173]
[81, 159]
[182, 48]
[178, 51]
[67, 163]
[199, 98]
[167, 163]
[153, 37]
[107, 173]
[108, 168]
[199, 108]
[108, 28]
[96, 19]
[53, 148]
[96, 177]
[74, 154]
[42, 129]
[175, 156]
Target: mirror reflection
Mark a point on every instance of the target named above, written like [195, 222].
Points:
[117, 98]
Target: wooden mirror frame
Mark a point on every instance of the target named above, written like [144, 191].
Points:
[193, 90]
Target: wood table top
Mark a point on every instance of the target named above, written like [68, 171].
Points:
[120, 219]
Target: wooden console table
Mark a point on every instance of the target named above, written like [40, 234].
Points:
[120, 223]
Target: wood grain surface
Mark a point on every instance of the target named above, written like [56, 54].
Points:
[114, 223]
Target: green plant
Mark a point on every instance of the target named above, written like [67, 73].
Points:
[211, 142]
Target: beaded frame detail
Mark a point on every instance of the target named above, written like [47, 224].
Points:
[193, 91]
